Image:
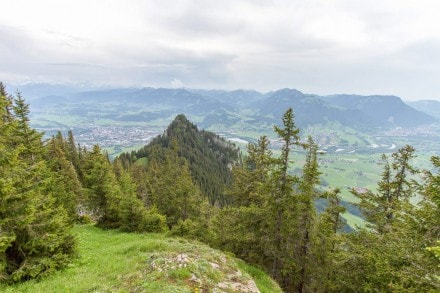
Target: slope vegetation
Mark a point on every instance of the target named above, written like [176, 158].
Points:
[210, 157]
[111, 261]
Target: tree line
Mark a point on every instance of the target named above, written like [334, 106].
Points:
[46, 186]
[258, 210]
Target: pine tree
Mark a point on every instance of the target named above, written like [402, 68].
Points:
[384, 209]
[170, 186]
[66, 183]
[240, 227]
[250, 179]
[34, 231]
[307, 217]
[101, 188]
[391, 255]
[134, 216]
[327, 244]
[282, 205]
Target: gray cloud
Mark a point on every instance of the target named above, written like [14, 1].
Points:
[366, 47]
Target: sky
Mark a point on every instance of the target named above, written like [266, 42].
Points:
[324, 47]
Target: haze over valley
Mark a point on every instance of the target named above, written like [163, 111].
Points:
[128, 117]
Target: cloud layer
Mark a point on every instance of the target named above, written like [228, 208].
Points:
[365, 47]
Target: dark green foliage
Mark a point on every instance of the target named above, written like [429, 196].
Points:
[394, 190]
[241, 231]
[170, 187]
[66, 183]
[388, 262]
[282, 207]
[272, 221]
[35, 233]
[210, 157]
[266, 216]
[101, 188]
[327, 240]
[111, 196]
[426, 219]
[391, 256]
[136, 218]
[251, 181]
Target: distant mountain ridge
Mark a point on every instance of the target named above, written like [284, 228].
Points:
[386, 111]
[353, 110]
[227, 108]
[430, 107]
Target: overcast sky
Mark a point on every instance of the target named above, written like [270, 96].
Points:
[322, 47]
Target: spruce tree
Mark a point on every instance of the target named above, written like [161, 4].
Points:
[306, 214]
[35, 233]
[134, 216]
[251, 178]
[102, 190]
[391, 254]
[240, 227]
[66, 183]
[384, 209]
[327, 245]
[282, 205]
[170, 186]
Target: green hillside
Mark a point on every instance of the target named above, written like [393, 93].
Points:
[210, 157]
[111, 261]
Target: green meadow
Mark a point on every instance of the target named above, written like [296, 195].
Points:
[112, 261]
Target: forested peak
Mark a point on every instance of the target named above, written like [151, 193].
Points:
[187, 134]
[181, 118]
[210, 157]
[179, 124]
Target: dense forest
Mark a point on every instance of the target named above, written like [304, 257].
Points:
[210, 157]
[194, 184]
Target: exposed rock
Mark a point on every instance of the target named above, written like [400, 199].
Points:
[250, 286]
[228, 277]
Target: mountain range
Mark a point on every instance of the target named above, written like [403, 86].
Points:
[430, 107]
[227, 108]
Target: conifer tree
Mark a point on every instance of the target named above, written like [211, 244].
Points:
[134, 216]
[384, 209]
[272, 221]
[306, 214]
[66, 183]
[252, 178]
[427, 220]
[71, 149]
[240, 227]
[391, 256]
[34, 231]
[170, 186]
[282, 205]
[326, 248]
[101, 188]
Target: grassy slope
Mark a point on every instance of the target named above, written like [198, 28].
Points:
[111, 261]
